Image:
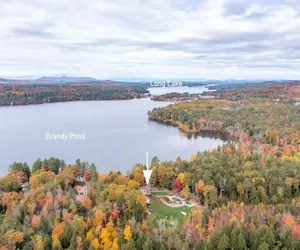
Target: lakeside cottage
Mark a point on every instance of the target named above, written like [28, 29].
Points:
[25, 187]
[147, 200]
[81, 190]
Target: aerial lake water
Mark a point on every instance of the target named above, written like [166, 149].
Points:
[112, 134]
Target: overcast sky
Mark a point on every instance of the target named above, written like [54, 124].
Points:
[166, 39]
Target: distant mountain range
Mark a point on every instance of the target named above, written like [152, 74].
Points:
[90, 80]
[56, 80]
[66, 79]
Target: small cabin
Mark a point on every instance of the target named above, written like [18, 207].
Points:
[25, 187]
[81, 190]
[147, 190]
[147, 200]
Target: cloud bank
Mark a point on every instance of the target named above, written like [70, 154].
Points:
[150, 38]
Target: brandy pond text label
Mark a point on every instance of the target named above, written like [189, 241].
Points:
[65, 136]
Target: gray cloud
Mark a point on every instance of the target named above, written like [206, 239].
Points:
[158, 38]
[240, 7]
[31, 33]
[235, 7]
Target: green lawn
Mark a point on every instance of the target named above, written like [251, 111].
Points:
[159, 210]
[160, 193]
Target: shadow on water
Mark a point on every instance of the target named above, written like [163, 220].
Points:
[212, 134]
[208, 134]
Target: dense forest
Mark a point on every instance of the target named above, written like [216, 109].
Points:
[262, 115]
[245, 194]
[175, 97]
[37, 94]
[284, 91]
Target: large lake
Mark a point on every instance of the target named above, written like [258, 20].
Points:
[117, 133]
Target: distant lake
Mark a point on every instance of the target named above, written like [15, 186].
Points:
[191, 90]
[117, 133]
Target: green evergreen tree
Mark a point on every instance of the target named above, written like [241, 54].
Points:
[162, 247]
[57, 246]
[215, 238]
[45, 163]
[264, 246]
[66, 237]
[19, 166]
[130, 245]
[91, 247]
[241, 242]
[185, 247]
[54, 165]
[73, 242]
[93, 172]
[47, 243]
[37, 165]
[137, 211]
[62, 165]
[85, 243]
[234, 242]
[148, 244]
[27, 246]
[231, 188]
[208, 246]
[72, 246]
[268, 236]
[224, 242]
[140, 242]
[154, 161]
[205, 217]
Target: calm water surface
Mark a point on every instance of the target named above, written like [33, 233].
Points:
[118, 133]
[192, 90]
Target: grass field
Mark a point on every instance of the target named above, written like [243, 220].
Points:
[159, 210]
[160, 193]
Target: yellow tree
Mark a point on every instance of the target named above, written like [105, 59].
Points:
[138, 175]
[41, 178]
[89, 235]
[37, 242]
[200, 185]
[96, 243]
[181, 178]
[115, 245]
[13, 237]
[98, 218]
[193, 157]
[127, 233]
[133, 184]
[58, 230]
[108, 234]
[10, 200]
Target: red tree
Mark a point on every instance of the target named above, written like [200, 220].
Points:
[178, 185]
[87, 176]
[296, 231]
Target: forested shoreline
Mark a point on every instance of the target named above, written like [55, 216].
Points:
[38, 94]
[240, 112]
[175, 97]
[246, 193]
